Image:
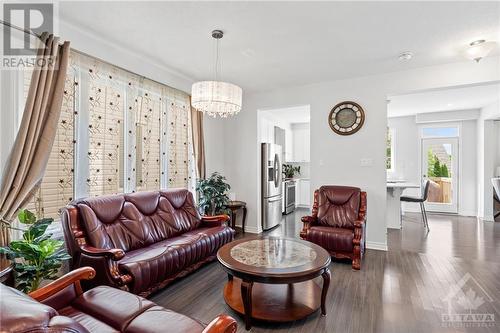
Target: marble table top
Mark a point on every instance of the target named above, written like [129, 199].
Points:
[273, 253]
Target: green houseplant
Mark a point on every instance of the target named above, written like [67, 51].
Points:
[289, 170]
[213, 194]
[36, 256]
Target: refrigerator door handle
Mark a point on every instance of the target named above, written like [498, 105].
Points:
[274, 199]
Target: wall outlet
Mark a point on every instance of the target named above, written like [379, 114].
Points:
[366, 162]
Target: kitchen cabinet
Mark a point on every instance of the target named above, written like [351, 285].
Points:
[266, 131]
[303, 193]
[301, 142]
[297, 193]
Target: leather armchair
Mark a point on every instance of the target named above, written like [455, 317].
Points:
[140, 242]
[62, 306]
[338, 222]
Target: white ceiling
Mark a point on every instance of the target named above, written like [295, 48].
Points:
[292, 115]
[464, 98]
[268, 45]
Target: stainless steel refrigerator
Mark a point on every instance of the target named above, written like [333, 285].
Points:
[271, 185]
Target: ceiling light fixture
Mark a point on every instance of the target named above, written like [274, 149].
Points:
[405, 56]
[479, 49]
[216, 98]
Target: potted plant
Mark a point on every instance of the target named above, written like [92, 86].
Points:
[289, 171]
[36, 256]
[213, 196]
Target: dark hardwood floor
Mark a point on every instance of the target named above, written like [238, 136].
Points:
[401, 290]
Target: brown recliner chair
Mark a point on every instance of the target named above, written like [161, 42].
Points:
[61, 306]
[338, 222]
[142, 241]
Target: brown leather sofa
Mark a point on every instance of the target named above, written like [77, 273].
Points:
[142, 241]
[338, 222]
[61, 306]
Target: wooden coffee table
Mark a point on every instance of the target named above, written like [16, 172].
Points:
[271, 278]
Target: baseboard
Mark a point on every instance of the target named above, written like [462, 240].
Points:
[467, 213]
[376, 246]
[253, 230]
[487, 218]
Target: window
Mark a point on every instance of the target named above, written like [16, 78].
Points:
[118, 132]
[56, 189]
[439, 132]
[389, 160]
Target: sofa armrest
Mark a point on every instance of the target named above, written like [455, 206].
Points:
[113, 254]
[359, 223]
[221, 324]
[216, 219]
[308, 221]
[71, 278]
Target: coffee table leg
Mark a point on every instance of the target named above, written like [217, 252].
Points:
[326, 284]
[246, 295]
[244, 218]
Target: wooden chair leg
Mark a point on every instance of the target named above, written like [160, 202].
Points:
[356, 260]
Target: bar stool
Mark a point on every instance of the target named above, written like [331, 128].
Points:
[421, 200]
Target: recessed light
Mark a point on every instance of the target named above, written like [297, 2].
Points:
[449, 104]
[405, 56]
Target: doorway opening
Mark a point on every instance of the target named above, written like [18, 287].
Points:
[285, 131]
[446, 136]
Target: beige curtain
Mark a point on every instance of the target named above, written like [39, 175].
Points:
[28, 158]
[198, 142]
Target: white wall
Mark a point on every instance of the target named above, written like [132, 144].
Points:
[487, 150]
[406, 149]
[497, 163]
[215, 145]
[336, 159]
[132, 60]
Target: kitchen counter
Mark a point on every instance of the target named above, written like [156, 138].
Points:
[394, 192]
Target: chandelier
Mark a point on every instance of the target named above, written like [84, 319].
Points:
[216, 98]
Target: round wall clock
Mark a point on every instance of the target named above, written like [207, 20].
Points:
[346, 118]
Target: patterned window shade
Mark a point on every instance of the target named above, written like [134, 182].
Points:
[178, 152]
[56, 189]
[148, 122]
[118, 132]
[105, 141]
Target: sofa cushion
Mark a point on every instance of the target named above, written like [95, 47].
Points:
[21, 313]
[338, 206]
[168, 321]
[151, 265]
[106, 309]
[125, 306]
[136, 220]
[90, 323]
[332, 239]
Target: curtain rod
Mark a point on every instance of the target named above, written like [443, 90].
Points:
[30, 32]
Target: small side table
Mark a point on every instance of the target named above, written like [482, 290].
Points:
[235, 206]
[6, 271]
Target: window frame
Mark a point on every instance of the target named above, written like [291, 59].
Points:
[392, 132]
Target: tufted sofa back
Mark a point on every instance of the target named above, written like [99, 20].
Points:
[132, 221]
[338, 206]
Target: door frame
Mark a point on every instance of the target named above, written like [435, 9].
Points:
[456, 180]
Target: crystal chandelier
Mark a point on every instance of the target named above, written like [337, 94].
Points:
[216, 97]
